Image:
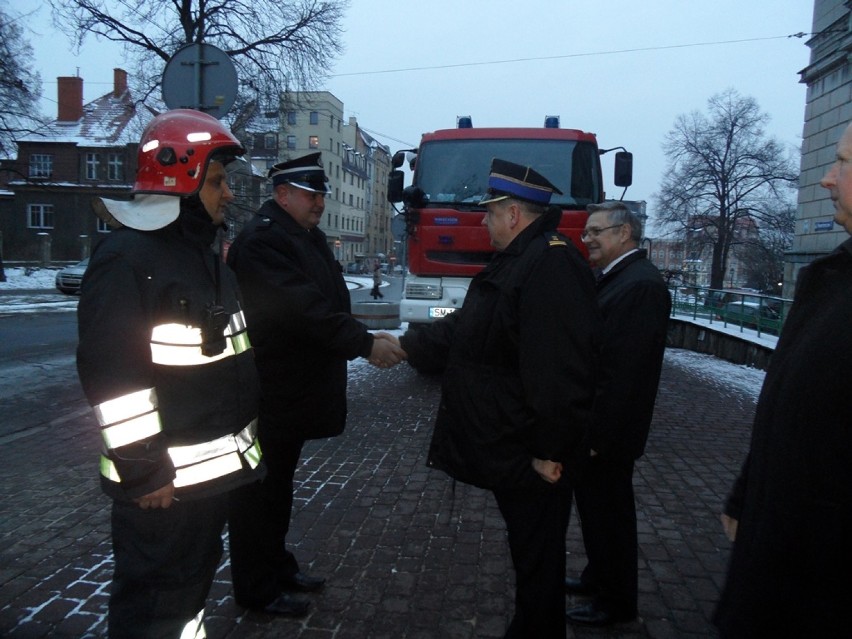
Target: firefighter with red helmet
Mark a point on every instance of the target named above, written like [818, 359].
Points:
[165, 361]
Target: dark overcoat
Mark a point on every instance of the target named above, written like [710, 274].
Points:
[635, 306]
[791, 563]
[518, 363]
[298, 313]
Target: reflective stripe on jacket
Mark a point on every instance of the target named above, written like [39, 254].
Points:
[199, 463]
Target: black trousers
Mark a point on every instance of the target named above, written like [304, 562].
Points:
[258, 523]
[165, 561]
[607, 510]
[537, 520]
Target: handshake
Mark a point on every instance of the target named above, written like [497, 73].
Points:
[386, 352]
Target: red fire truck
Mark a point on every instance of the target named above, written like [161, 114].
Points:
[447, 243]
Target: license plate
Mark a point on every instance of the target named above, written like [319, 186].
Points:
[440, 311]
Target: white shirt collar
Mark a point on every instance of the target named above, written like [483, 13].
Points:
[612, 264]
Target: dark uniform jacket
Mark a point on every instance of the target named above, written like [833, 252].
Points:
[635, 306]
[518, 362]
[298, 311]
[168, 412]
[791, 562]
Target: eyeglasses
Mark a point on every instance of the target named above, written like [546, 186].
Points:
[593, 231]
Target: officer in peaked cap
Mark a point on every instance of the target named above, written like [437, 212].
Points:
[510, 180]
[516, 196]
[305, 173]
[304, 332]
[525, 336]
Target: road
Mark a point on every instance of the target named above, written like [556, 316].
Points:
[35, 336]
[31, 336]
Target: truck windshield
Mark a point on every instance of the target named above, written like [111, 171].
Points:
[456, 171]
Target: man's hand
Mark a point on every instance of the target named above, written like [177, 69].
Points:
[729, 525]
[549, 471]
[160, 498]
[386, 351]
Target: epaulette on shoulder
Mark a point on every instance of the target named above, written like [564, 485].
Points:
[554, 240]
[264, 223]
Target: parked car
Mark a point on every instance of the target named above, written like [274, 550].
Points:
[353, 268]
[751, 315]
[718, 299]
[68, 279]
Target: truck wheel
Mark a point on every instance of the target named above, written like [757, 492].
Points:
[377, 314]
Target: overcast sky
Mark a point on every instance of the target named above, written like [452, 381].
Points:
[622, 69]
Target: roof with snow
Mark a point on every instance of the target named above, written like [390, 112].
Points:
[107, 121]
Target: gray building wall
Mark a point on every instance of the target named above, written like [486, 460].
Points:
[828, 110]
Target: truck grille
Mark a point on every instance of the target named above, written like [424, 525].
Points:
[416, 291]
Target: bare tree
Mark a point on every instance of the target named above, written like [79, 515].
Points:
[274, 45]
[723, 172]
[763, 255]
[20, 86]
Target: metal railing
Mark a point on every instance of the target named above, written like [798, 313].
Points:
[743, 309]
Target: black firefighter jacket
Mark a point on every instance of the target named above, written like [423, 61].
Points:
[168, 412]
[519, 363]
[298, 311]
[635, 306]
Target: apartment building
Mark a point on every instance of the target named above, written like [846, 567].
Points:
[357, 214]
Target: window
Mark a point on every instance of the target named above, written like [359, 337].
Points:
[103, 227]
[40, 216]
[350, 199]
[291, 117]
[115, 167]
[41, 165]
[314, 117]
[313, 141]
[270, 141]
[291, 141]
[92, 162]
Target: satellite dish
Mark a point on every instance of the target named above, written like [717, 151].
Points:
[201, 77]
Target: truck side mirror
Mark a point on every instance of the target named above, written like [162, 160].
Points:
[414, 197]
[623, 168]
[398, 159]
[396, 182]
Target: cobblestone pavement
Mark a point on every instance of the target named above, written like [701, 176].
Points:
[406, 553]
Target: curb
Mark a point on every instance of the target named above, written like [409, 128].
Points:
[377, 314]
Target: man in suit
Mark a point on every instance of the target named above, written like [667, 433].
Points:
[635, 305]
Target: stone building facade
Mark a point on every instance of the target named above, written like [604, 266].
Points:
[828, 110]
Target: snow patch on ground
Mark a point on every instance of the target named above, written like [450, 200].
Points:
[18, 278]
[736, 377]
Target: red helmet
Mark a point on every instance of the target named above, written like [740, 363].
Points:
[176, 148]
